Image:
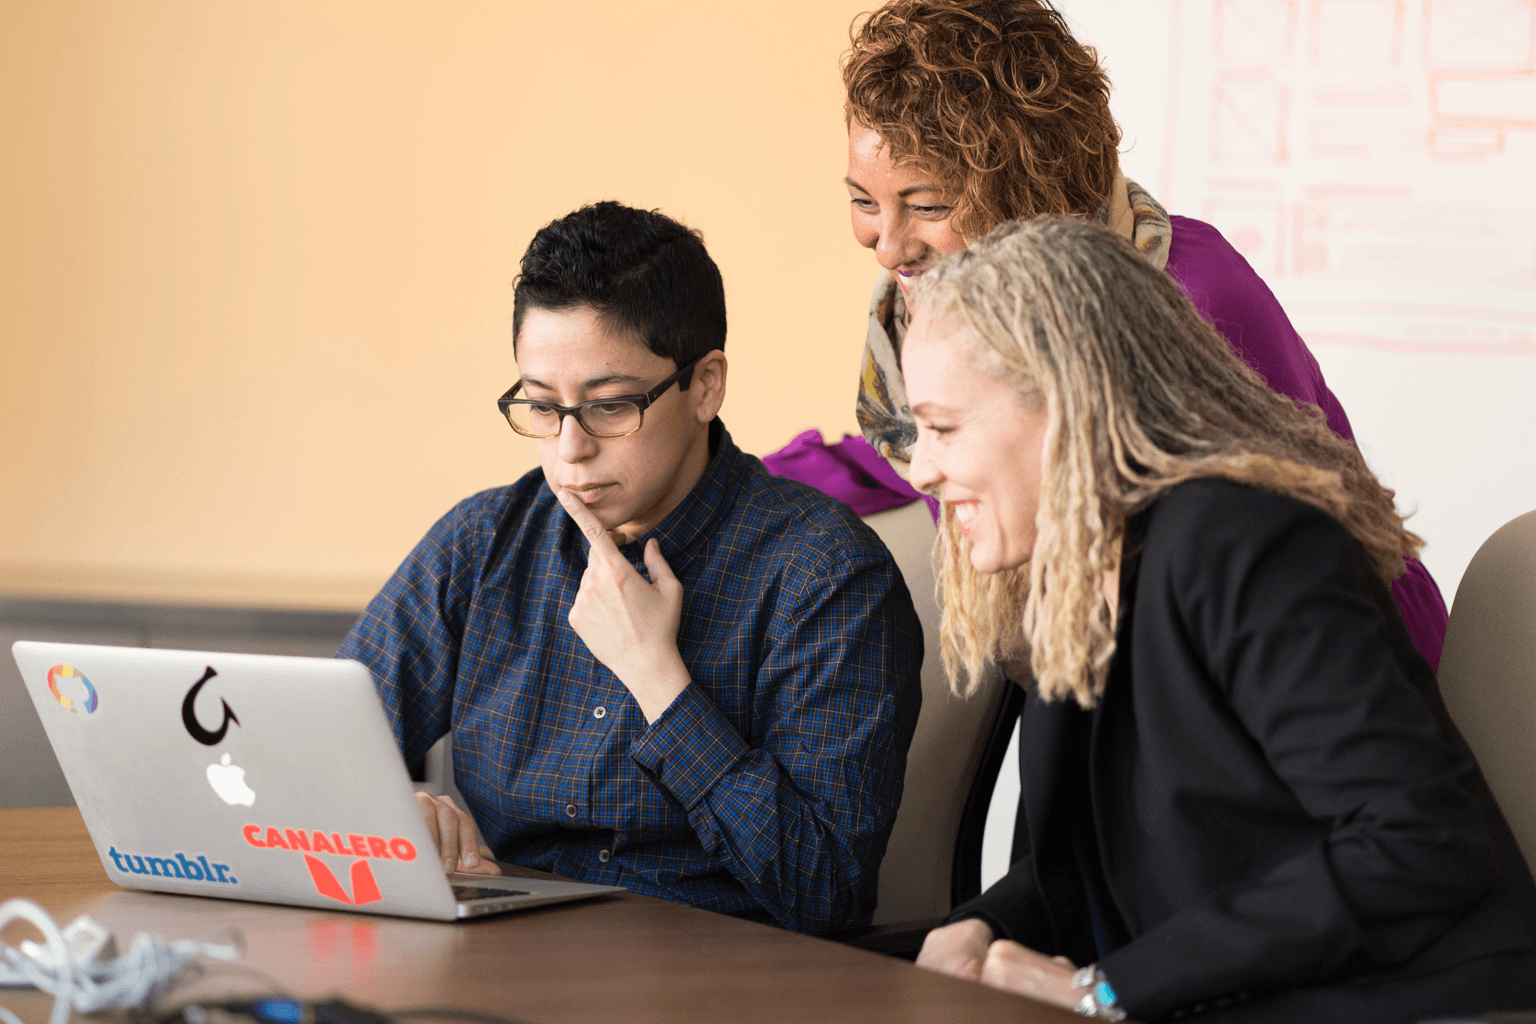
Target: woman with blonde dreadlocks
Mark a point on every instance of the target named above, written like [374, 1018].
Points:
[1241, 791]
[964, 114]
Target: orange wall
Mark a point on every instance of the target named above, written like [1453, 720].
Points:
[256, 261]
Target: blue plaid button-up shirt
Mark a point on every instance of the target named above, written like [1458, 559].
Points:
[766, 790]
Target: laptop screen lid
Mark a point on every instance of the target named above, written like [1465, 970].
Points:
[244, 776]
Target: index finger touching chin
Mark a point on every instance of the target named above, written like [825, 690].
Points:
[580, 515]
[590, 526]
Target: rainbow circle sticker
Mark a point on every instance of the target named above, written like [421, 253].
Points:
[70, 672]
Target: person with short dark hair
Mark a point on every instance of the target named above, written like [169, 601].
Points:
[662, 667]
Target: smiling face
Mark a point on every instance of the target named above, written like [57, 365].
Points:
[980, 444]
[630, 483]
[898, 209]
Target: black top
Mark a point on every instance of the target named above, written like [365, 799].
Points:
[1270, 795]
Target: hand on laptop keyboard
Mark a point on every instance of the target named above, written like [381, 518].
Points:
[458, 841]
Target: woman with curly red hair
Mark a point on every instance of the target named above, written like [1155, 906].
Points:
[964, 114]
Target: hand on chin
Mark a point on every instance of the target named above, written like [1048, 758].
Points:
[601, 507]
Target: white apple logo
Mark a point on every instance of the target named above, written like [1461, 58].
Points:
[228, 780]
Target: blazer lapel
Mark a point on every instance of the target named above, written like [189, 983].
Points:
[1044, 733]
[1114, 706]
[1053, 788]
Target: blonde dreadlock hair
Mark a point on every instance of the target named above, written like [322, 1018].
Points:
[1141, 395]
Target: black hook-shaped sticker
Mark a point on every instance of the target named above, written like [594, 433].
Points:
[189, 714]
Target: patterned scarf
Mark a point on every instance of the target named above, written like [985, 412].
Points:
[883, 413]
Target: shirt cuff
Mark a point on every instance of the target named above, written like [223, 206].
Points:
[689, 747]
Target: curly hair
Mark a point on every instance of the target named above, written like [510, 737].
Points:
[994, 97]
[1141, 395]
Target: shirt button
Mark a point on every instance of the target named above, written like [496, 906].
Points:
[605, 855]
[599, 712]
[570, 810]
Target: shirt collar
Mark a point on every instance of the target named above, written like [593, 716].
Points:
[697, 514]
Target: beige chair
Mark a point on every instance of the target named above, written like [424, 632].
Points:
[1488, 670]
[934, 857]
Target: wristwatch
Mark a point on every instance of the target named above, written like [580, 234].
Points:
[1099, 999]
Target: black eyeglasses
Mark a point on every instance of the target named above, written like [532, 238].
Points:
[601, 417]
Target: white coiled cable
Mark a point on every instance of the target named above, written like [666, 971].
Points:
[88, 983]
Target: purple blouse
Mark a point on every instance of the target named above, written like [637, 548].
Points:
[1233, 299]
[1237, 302]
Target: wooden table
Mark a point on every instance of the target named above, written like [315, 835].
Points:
[627, 958]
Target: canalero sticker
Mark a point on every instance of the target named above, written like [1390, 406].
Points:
[307, 842]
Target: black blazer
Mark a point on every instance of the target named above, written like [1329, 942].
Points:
[1270, 797]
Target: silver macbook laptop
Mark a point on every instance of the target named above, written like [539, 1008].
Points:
[251, 777]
